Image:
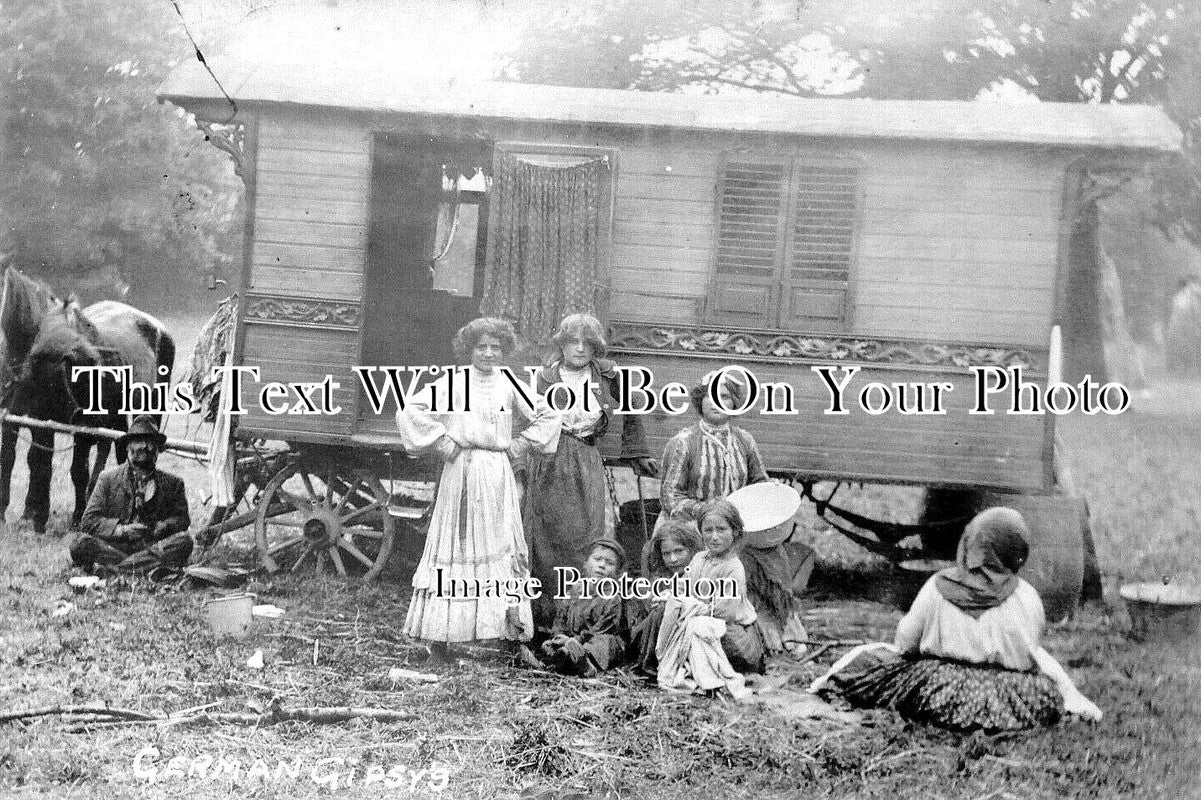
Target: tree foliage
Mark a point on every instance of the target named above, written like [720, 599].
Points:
[98, 179]
[1099, 51]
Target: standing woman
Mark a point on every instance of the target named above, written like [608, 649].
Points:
[968, 654]
[475, 532]
[565, 497]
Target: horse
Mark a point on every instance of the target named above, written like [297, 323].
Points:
[49, 337]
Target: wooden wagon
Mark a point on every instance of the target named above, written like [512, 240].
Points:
[912, 240]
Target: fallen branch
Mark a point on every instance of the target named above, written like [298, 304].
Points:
[78, 711]
[318, 715]
[812, 656]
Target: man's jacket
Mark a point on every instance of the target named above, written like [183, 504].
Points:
[113, 503]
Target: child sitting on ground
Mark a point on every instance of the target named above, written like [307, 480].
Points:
[705, 642]
[667, 553]
[588, 633]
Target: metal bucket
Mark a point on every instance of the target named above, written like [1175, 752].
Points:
[231, 616]
[1162, 610]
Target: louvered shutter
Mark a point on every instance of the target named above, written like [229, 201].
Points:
[821, 245]
[750, 243]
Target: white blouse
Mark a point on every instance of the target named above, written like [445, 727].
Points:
[488, 425]
[576, 420]
[1006, 635]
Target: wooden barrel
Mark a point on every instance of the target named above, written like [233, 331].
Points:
[1056, 566]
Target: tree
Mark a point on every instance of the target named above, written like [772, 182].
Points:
[1097, 51]
[98, 178]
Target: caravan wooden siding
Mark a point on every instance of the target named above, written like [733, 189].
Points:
[955, 243]
[985, 220]
[302, 311]
[293, 353]
[311, 208]
[1003, 451]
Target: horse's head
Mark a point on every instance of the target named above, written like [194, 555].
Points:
[43, 383]
[24, 304]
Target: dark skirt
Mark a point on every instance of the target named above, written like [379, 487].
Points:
[646, 618]
[950, 694]
[743, 645]
[563, 510]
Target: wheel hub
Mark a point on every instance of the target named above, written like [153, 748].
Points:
[321, 528]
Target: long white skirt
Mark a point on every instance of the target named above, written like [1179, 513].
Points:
[475, 535]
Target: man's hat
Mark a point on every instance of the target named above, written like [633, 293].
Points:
[766, 508]
[144, 427]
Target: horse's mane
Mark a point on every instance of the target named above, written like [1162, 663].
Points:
[66, 332]
[31, 291]
[24, 304]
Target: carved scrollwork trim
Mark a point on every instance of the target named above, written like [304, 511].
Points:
[788, 347]
[308, 312]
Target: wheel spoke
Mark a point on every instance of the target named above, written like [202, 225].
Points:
[284, 545]
[358, 512]
[337, 559]
[329, 489]
[353, 490]
[296, 565]
[284, 523]
[308, 485]
[347, 544]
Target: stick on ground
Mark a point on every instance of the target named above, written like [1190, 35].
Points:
[318, 715]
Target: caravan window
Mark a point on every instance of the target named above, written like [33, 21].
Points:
[786, 243]
[458, 245]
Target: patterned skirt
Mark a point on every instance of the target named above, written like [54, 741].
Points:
[950, 694]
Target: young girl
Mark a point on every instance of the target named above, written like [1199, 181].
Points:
[565, 499]
[475, 532]
[967, 655]
[705, 643]
[668, 553]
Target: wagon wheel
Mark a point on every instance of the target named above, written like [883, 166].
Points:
[322, 519]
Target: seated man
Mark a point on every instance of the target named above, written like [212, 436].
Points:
[137, 517]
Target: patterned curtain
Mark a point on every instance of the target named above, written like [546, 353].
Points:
[547, 243]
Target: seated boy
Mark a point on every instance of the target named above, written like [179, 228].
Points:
[588, 633]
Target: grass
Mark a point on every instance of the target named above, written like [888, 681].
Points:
[489, 730]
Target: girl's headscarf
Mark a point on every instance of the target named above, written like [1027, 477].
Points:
[993, 548]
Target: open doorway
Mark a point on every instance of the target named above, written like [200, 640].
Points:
[425, 252]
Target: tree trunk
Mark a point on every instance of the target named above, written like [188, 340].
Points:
[1083, 333]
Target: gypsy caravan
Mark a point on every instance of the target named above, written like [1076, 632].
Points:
[911, 243]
